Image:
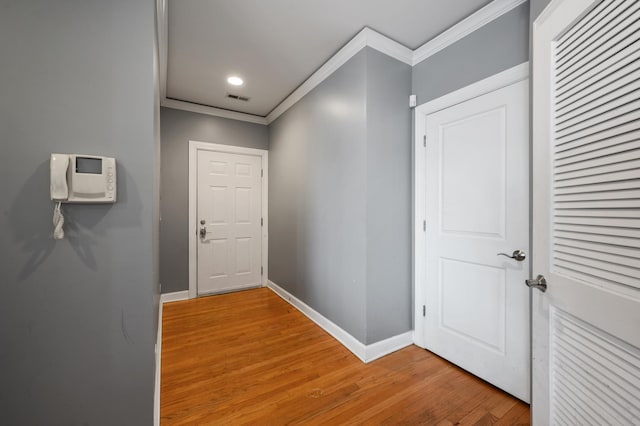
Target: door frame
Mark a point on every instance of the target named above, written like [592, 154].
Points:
[194, 147]
[498, 81]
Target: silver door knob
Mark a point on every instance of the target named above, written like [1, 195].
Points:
[518, 255]
[203, 232]
[540, 282]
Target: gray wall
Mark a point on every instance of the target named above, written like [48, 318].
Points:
[339, 200]
[388, 197]
[177, 129]
[499, 45]
[536, 7]
[76, 316]
[317, 205]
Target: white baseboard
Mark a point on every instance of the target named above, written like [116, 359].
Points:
[174, 297]
[156, 392]
[387, 346]
[366, 353]
[164, 298]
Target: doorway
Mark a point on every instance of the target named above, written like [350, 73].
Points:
[472, 238]
[227, 218]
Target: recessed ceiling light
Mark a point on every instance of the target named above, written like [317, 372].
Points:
[235, 81]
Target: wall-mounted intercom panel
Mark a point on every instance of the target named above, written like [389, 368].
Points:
[87, 179]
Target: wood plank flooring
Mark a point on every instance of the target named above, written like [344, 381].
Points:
[251, 358]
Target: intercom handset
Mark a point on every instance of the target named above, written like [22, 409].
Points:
[85, 179]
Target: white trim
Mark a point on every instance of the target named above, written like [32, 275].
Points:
[389, 47]
[479, 88]
[156, 391]
[174, 297]
[490, 12]
[194, 147]
[495, 82]
[366, 353]
[164, 298]
[356, 44]
[387, 346]
[216, 112]
[366, 37]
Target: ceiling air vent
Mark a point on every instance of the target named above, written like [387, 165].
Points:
[237, 97]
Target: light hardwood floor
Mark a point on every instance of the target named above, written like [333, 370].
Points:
[251, 358]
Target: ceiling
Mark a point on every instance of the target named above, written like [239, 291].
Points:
[275, 45]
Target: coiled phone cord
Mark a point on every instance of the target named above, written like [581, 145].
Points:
[58, 221]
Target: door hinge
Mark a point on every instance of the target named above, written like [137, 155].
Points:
[261, 221]
[424, 141]
[424, 310]
[261, 172]
[424, 226]
[262, 270]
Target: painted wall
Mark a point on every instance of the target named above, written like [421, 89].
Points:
[389, 303]
[497, 46]
[77, 316]
[177, 129]
[317, 205]
[337, 157]
[536, 7]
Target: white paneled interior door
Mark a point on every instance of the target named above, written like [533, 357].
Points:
[586, 205]
[229, 221]
[476, 312]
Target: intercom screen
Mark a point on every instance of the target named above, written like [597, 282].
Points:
[88, 165]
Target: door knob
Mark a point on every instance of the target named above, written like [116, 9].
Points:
[203, 232]
[518, 255]
[540, 282]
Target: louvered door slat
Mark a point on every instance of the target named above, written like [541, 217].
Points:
[603, 195]
[598, 187]
[599, 255]
[596, 77]
[603, 239]
[587, 268]
[599, 374]
[576, 33]
[599, 221]
[605, 138]
[577, 371]
[630, 174]
[599, 230]
[602, 169]
[616, 155]
[608, 270]
[612, 44]
[599, 204]
[625, 252]
[610, 213]
[604, 117]
[590, 152]
[600, 40]
[581, 101]
[601, 110]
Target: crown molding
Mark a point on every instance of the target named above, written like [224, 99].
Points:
[216, 112]
[493, 10]
[389, 47]
[365, 38]
[348, 51]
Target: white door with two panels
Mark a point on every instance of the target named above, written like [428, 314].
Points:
[229, 221]
[475, 305]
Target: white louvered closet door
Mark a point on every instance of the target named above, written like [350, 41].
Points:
[586, 213]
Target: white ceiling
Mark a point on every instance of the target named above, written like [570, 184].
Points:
[275, 45]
